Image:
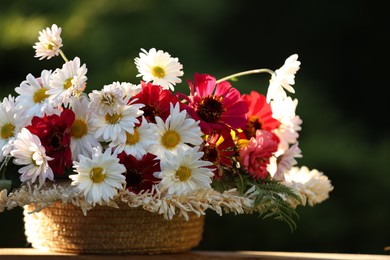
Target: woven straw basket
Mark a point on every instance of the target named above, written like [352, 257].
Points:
[106, 230]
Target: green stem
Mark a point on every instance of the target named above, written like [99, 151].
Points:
[3, 166]
[244, 73]
[63, 56]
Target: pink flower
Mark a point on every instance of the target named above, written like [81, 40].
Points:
[255, 153]
[217, 106]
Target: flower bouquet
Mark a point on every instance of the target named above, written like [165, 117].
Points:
[145, 149]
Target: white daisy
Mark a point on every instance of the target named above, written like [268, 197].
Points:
[10, 124]
[82, 129]
[159, 68]
[49, 43]
[185, 172]
[109, 99]
[177, 131]
[67, 81]
[138, 143]
[311, 185]
[29, 151]
[99, 178]
[33, 99]
[283, 78]
[111, 127]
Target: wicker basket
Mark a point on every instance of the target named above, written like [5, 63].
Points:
[106, 230]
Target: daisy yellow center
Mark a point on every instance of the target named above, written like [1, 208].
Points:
[183, 173]
[170, 139]
[132, 139]
[68, 83]
[50, 46]
[158, 72]
[7, 131]
[210, 109]
[79, 128]
[97, 175]
[113, 119]
[40, 95]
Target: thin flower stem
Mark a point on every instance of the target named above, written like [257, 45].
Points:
[63, 56]
[244, 73]
[3, 167]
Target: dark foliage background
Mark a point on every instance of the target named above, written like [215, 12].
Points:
[344, 50]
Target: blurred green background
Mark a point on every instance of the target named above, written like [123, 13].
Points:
[344, 50]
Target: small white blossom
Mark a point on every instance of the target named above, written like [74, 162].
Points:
[159, 68]
[282, 163]
[110, 99]
[29, 151]
[49, 44]
[283, 78]
[10, 124]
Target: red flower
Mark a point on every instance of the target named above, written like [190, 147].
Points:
[217, 106]
[259, 115]
[256, 153]
[54, 133]
[156, 100]
[219, 149]
[139, 173]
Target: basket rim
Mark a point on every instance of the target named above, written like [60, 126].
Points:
[154, 201]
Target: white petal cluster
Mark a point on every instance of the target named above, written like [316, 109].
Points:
[290, 123]
[311, 185]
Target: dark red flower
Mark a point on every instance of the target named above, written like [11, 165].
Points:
[139, 173]
[156, 100]
[54, 134]
[219, 149]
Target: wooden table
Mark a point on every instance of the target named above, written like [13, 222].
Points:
[28, 253]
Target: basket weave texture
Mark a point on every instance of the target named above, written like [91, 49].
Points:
[107, 230]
